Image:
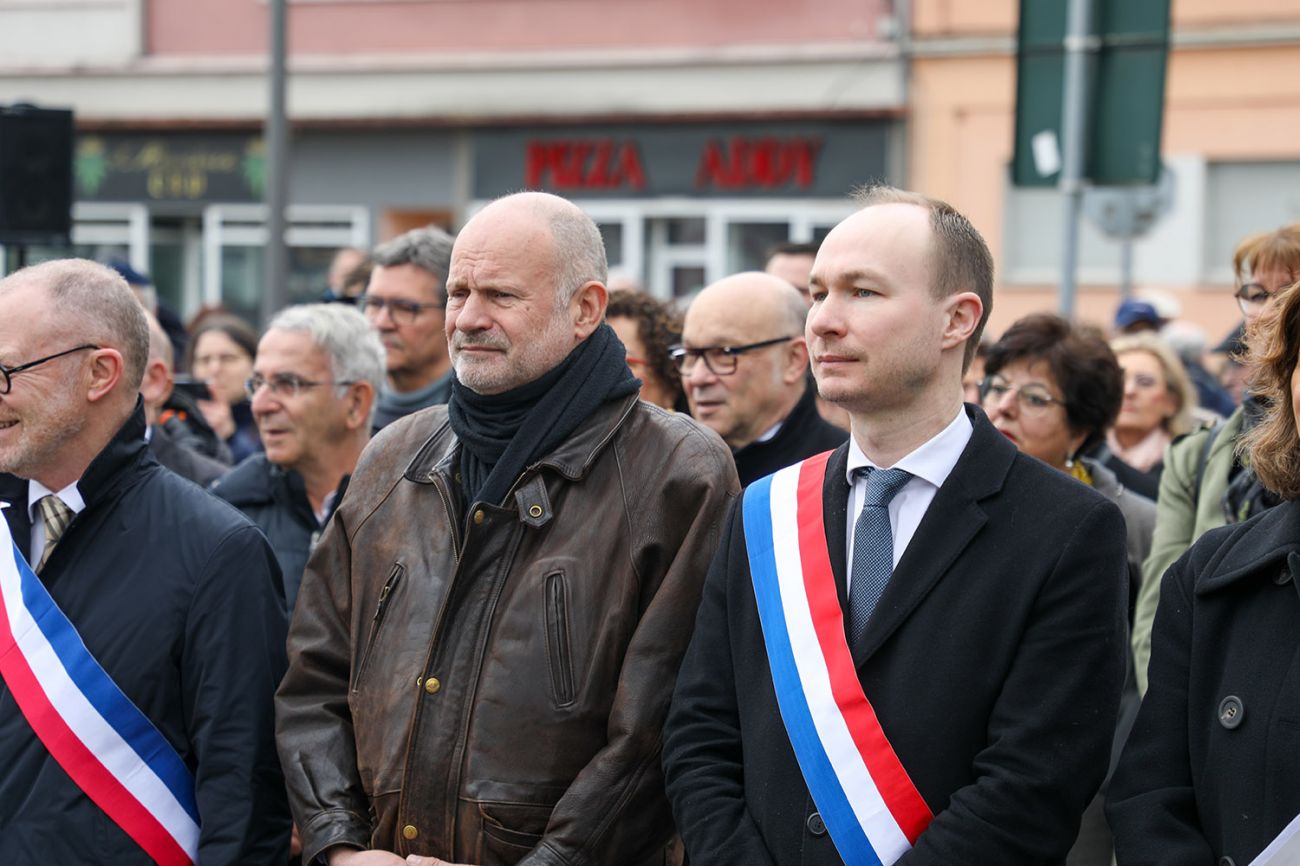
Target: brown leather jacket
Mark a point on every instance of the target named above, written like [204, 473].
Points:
[490, 687]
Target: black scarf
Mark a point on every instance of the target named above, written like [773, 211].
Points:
[502, 434]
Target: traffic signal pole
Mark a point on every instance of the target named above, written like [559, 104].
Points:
[1081, 46]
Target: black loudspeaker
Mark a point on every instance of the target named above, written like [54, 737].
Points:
[35, 175]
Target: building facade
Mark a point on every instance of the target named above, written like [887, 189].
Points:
[696, 134]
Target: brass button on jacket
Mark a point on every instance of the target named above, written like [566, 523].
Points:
[432, 685]
[409, 832]
[478, 516]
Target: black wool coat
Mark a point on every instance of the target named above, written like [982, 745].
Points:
[1211, 772]
[994, 662]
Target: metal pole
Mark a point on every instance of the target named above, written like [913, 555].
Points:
[1080, 47]
[1126, 269]
[274, 294]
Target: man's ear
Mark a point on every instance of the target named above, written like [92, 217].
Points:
[156, 386]
[964, 311]
[795, 357]
[360, 397]
[104, 373]
[588, 308]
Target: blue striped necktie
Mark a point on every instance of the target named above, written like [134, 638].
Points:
[873, 547]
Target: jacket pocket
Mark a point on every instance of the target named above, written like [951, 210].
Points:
[511, 830]
[559, 652]
[381, 609]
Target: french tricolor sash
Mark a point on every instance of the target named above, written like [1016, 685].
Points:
[107, 746]
[871, 808]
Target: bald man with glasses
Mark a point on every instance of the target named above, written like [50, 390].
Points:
[744, 362]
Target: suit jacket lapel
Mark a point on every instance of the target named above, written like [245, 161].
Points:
[835, 507]
[14, 491]
[950, 523]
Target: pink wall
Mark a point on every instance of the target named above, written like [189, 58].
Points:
[231, 27]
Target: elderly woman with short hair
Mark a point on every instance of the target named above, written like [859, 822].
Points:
[1158, 402]
[1212, 771]
[1054, 389]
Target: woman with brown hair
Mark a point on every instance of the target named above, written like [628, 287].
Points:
[648, 328]
[1211, 772]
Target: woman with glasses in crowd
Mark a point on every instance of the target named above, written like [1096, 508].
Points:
[221, 354]
[1054, 390]
[1207, 481]
[1158, 402]
[648, 329]
[1212, 771]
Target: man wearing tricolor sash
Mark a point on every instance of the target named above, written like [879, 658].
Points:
[141, 622]
[910, 649]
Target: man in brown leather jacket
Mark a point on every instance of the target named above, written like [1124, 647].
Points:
[488, 634]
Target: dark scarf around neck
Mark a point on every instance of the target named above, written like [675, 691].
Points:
[502, 434]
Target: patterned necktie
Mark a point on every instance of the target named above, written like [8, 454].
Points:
[56, 516]
[873, 547]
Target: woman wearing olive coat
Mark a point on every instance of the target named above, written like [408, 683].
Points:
[1211, 773]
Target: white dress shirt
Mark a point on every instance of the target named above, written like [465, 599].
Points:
[71, 497]
[930, 465]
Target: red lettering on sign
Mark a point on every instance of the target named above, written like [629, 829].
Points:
[765, 163]
[600, 164]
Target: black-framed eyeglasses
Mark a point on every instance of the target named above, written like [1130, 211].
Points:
[9, 372]
[1252, 297]
[1033, 399]
[286, 386]
[720, 360]
[404, 312]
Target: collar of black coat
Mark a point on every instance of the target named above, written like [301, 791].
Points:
[572, 458]
[1265, 547]
[126, 450]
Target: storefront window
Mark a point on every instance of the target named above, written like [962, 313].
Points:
[749, 242]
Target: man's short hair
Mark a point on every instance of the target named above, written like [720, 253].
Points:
[793, 248]
[355, 352]
[579, 251]
[428, 248]
[95, 305]
[960, 258]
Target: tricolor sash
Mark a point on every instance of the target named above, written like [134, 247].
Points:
[1284, 850]
[107, 746]
[864, 795]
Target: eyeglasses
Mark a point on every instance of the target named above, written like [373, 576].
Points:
[1252, 297]
[402, 311]
[286, 386]
[10, 372]
[720, 360]
[1032, 399]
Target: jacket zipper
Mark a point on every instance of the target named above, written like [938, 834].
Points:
[381, 608]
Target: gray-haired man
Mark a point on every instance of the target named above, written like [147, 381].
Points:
[404, 301]
[313, 392]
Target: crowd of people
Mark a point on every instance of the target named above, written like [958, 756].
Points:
[477, 562]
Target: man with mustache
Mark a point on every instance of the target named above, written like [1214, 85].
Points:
[404, 302]
[910, 651]
[486, 637]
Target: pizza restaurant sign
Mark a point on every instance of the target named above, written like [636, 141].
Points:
[699, 162]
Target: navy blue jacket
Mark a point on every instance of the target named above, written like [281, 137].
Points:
[276, 500]
[177, 596]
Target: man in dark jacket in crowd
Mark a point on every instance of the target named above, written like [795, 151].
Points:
[313, 389]
[487, 634]
[744, 364]
[914, 646]
[404, 301]
[173, 446]
[140, 658]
